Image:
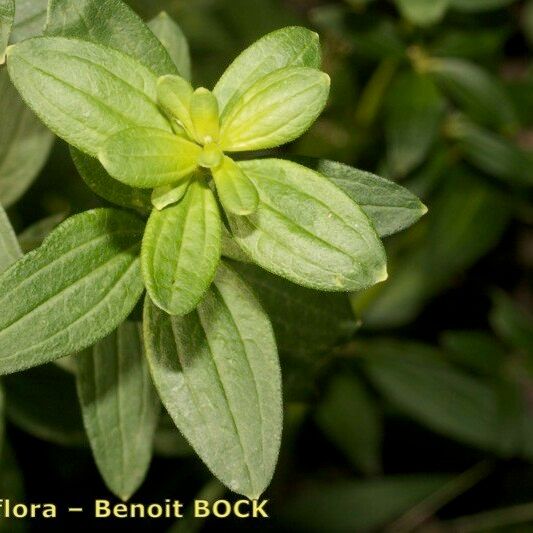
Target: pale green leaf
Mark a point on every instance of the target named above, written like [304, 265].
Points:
[112, 190]
[147, 157]
[181, 250]
[237, 193]
[288, 47]
[173, 39]
[390, 207]
[120, 408]
[307, 230]
[30, 18]
[217, 373]
[275, 110]
[9, 246]
[82, 91]
[21, 134]
[423, 12]
[306, 322]
[90, 262]
[110, 23]
[349, 416]
[7, 15]
[414, 112]
[169, 194]
[174, 94]
[42, 402]
[476, 91]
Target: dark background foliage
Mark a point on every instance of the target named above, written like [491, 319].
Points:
[420, 418]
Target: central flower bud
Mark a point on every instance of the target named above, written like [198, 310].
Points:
[211, 156]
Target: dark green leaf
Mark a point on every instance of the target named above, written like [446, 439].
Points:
[413, 114]
[30, 17]
[305, 321]
[350, 418]
[89, 261]
[217, 373]
[120, 408]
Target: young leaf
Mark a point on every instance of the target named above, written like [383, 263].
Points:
[306, 322]
[422, 12]
[9, 246]
[42, 402]
[287, 47]
[217, 373]
[110, 23]
[21, 134]
[275, 110]
[174, 41]
[181, 250]
[307, 230]
[82, 91]
[476, 91]
[89, 261]
[174, 94]
[7, 15]
[414, 112]
[390, 207]
[237, 193]
[30, 17]
[120, 408]
[147, 157]
[169, 194]
[112, 190]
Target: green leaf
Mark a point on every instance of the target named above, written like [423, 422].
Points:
[413, 115]
[356, 505]
[275, 110]
[494, 154]
[512, 322]
[230, 248]
[476, 92]
[110, 23]
[21, 134]
[390, 207]
[237, 193]
[7, 15]
[147, 157]
[169, 194]
[9, 246]
[173, 39]
[288, 47]
[30, 17]
[422, 12]
[120, 408]
[350, 418]
[42, 402]
[181, 250]
[33, 236]
[89, 261]
[307, 230]
[112, 190]
[174, 94]
[423, 386]
[305, 321]
[82, 91]
[217, 373]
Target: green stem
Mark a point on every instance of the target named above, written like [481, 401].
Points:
[427, 508]
[490, 520]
